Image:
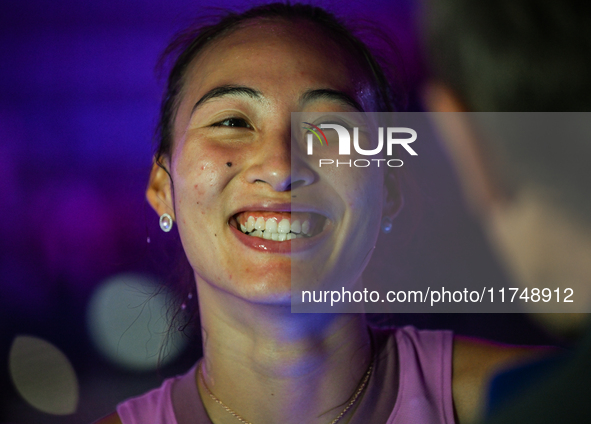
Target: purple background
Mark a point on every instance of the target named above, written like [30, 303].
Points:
[78, 104]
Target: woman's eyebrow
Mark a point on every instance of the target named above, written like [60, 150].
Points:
[333, 95]
[227, 90]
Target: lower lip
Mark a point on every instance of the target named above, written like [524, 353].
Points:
[283, 247]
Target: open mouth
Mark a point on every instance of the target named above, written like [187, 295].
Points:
[279, 226]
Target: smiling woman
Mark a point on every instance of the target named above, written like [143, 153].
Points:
[224, 172]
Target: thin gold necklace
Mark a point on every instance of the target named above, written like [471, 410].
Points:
[354, 398]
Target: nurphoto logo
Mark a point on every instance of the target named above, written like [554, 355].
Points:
[345, 145]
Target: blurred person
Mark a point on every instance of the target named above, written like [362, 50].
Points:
[532, 198]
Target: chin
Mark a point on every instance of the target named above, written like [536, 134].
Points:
[267, 297]
[272, 288]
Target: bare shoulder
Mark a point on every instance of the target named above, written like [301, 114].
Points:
[475, 362]
[110, 419]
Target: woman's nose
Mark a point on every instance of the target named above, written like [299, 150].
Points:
[276, 166]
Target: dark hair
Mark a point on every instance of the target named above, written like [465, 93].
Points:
[512, 55]
[520, 55]
[385, 72]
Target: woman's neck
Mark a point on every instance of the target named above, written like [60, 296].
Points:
[269, 365]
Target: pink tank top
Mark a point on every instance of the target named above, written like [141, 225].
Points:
[424, 392]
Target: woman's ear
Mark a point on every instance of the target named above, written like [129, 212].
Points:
[393, 199]
[160, 191]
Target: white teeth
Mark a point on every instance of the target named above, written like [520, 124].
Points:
[296, 227]
[270, 229]
[250, 224]
[271, 225]
[306, 227]
[283, 227]
[260, 224]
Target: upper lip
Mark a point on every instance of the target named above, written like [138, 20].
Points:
[272, 206]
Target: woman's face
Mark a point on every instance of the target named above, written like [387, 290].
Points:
[233, 168]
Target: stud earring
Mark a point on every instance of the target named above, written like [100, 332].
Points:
[386, 225]
[165, 222]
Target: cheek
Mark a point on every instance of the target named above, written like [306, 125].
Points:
[201, 173]
[363, 191]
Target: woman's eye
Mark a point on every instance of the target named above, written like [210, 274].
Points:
[233, 122]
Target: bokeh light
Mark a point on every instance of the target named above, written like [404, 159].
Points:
[43, 376]
[127, 322]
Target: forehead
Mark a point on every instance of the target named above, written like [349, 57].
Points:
[289, 36]
[276, 52]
